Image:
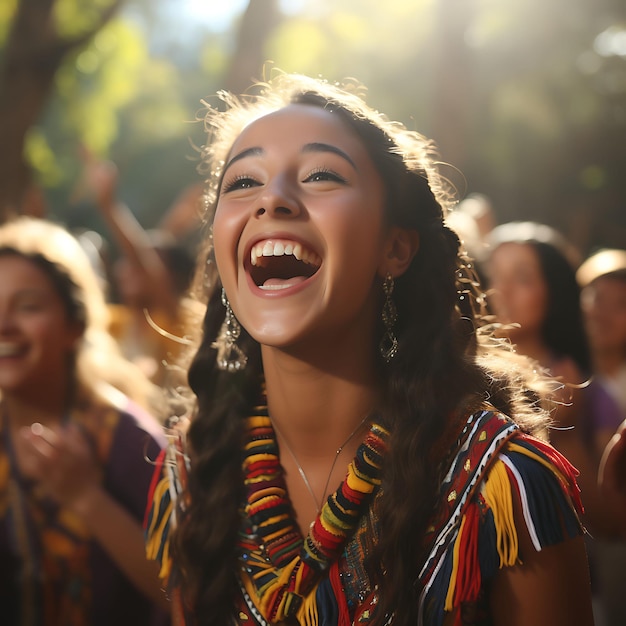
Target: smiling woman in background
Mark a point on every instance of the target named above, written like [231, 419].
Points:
[73, 471]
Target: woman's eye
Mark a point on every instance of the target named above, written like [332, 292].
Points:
[324, 175]
[30, 307]
[240, 182]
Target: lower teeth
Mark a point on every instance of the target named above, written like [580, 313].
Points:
[275, 287]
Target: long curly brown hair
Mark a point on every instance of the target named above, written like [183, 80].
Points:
[447, 360]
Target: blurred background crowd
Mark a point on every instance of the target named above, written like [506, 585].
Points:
[525, 101]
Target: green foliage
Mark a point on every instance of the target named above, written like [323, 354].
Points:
[7, 11]
[300, 46]
[533, 102]
[42, 158]
[213, 57]
[100, 81]
[92, 87]
[73, 18]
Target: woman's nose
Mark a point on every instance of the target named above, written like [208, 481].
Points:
[279, 199]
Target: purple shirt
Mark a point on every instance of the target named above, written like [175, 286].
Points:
[97, 591]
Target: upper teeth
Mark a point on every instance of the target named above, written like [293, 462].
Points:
[281, 248]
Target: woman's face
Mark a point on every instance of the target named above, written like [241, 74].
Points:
[519, 291]
[604, 307]
[299, 228]
[36, 337]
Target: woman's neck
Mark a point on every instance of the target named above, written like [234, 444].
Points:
[320, 417]
[314, 408]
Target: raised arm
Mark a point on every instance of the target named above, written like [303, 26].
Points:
[132, 239]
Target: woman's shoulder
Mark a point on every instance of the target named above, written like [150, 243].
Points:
[529, 474]
[494, 463]
[494, 442]
[497, 470]
[112, 419]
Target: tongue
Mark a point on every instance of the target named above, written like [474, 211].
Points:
[282, 283]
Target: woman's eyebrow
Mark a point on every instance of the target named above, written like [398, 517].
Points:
[309, 147]
[325, 147]
[255, 151]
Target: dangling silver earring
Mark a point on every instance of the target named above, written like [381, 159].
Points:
[389, 343]
[230, 357]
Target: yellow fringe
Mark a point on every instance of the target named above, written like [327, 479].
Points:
[154, 533]
[449, 606]
[307, 615]
[278, 582]
[497, 492]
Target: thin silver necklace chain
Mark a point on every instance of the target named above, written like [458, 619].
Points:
[305, 480]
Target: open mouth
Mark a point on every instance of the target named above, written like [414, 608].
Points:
[280, 264]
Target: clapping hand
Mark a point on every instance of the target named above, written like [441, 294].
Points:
[61, 461]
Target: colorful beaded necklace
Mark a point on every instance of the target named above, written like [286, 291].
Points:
[281, 570]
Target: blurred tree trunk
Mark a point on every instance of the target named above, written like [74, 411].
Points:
[453, 81]
[33, 54]
[259, 20]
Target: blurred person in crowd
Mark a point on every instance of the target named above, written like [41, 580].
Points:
[473, 219]
[602, 278]
[534, 292]
[152, 276]
[478, 206]
[472, 242]
[75, 450]
[346, 462]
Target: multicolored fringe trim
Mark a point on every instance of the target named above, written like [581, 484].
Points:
[166, 492]
[481, 536]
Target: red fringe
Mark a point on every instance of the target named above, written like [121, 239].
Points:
[565, 467]
[468, 581]
[343, 618]
[156, 478]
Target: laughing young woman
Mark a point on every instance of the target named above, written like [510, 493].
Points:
[73, 472]
[362, 451]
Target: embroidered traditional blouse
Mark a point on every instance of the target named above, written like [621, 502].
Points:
[321, 580]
